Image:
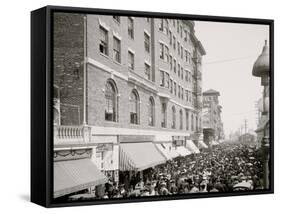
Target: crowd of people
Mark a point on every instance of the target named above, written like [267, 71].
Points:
[217, 169]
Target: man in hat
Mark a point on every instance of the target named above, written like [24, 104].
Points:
[163, 189]
[173, 188]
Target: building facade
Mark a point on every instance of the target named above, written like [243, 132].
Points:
[123, 80]
[212, 123]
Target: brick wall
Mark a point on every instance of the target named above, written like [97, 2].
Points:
[97, 77]
[68, 65]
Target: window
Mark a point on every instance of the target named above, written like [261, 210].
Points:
[131, 27]
[189, 57]
[103, 41]
[161, 51]
[146, 43]
[175, 88]
[110, 101]
[163, 116]
[182, 73]
[185, 35]
[179, 70]
[174, 42]
[192, 123]
[175, 66]
[181, 120]
[116, 49]
[170, 37]
[166, 54]
[166, 27]
[173, 117]
[162, 78]
[187, 120]
[182, 93]
[116, 18]
[151, 111]
[186, 75]
[131, 60]
[174, 23]
[179, 91]
[178, 26]
[181, 31]
[134, 107]
[167, 80]
[147, 71]
[179, 51]
[161, 25]
[171, 88]
[186, 94]
[196, 123]
[186, 55]
[171, 62]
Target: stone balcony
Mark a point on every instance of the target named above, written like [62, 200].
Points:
[71, 135]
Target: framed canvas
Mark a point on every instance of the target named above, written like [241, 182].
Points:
[132, 106]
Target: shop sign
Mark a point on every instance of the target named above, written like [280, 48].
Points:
[135, 138]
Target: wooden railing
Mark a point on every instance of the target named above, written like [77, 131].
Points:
[71, 134]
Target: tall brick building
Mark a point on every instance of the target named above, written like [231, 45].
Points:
[122, 80]
[212, 123]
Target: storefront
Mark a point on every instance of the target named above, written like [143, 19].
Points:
[74, 171]
[105, 155]
[137, 155]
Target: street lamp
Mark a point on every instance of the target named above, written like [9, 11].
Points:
[261, 69]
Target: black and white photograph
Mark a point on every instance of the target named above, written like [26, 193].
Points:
[147, 107]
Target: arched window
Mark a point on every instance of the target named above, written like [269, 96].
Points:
[173, 117]
[151, 112]
[134, 107]
[187, 119]
[181, 119]
[192, 122]
[110, 101]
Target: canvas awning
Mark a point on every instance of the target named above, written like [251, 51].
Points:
[167, 150]
[164, 150]
[191, 146]
[202, 145]
[182, 151]
[75, 175]
[139, 156]
[214, 143]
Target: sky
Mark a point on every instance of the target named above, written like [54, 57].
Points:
[231, 50]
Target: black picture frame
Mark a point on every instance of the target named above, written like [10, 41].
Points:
[41, 102]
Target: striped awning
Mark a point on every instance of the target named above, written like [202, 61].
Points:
[167, 150]
[191, 146]
[182, 151]
[75, 175]
[202, 145]
[139, 156]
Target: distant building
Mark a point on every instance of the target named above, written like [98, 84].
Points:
[212, 123]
